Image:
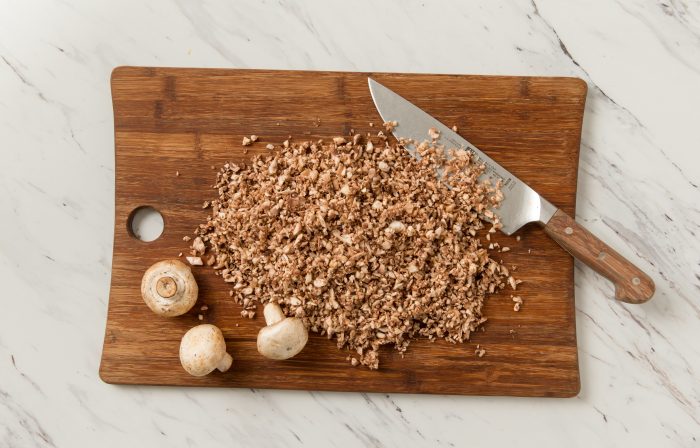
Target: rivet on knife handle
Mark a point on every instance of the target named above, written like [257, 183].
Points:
[631, 284]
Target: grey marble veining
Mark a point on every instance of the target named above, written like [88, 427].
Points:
[639, 184]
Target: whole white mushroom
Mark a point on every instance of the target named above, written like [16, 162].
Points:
[169, 288]
[283, 337]
[203, 349]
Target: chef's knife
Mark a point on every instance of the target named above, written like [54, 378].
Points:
[521, 204]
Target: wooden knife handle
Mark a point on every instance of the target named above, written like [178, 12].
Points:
[631, 284]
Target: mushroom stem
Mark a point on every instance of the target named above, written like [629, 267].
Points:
[225, 362]
[166, 287]
[273, 313]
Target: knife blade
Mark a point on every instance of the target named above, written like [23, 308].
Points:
[521, 204]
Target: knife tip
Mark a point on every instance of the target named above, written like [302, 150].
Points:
[374, 87]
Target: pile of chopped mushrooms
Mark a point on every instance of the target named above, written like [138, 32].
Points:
[358, 240]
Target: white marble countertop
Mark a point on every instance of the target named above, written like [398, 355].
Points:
[638, 188]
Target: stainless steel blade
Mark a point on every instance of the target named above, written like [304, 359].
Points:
[521, 204]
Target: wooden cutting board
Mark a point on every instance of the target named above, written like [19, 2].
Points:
[193, 120]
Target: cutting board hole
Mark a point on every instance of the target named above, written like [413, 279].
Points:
[146, 224]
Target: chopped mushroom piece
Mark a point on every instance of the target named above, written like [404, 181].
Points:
[434, 133]
[169, 288]
[195, 261]
[203, 349]
[518, 303]
[513, 284]
[198, 245]
[246, 141]
[253, 138]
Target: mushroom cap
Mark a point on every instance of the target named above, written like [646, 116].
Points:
[169, 288]
[283, 339]
[203, 349]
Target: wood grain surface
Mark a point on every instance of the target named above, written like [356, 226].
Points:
[631, 284]
[193, 120]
